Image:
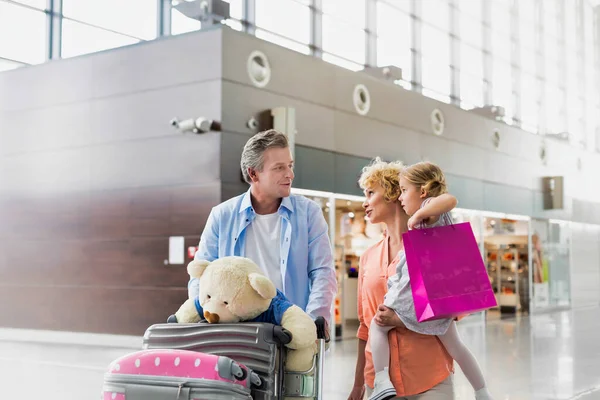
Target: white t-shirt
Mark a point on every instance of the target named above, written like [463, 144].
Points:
[262, 246]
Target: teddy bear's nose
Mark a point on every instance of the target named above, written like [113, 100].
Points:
[211, 318]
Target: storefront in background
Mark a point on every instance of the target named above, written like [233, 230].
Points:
[527, 259]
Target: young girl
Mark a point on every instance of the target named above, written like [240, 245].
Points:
[420, 184]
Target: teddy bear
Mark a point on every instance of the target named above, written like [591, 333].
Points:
[233, 289]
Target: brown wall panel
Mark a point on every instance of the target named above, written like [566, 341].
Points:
[88, 308]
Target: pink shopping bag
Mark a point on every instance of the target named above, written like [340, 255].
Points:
[447, 275]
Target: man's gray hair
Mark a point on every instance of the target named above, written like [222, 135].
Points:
[253, 153]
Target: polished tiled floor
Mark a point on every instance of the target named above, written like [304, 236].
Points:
[548, 356]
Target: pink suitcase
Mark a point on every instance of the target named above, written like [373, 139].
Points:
[177, 374]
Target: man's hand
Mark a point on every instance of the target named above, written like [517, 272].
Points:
[387, 317]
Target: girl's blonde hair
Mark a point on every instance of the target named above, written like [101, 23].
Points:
[384, 174]
[426, 176]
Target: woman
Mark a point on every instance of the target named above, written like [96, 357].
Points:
[420, 367]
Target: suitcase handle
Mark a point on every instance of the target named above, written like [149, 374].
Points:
[282, 335]
[322, 329]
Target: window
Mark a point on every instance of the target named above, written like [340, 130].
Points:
[236, 8]
[471, 75]
[501, 17]
[401, 5]
[550, 18]
[330, 58]
[132, 17]
[280, 40]
[350, 11]
[394, 38]
[39, 4]
[555, 109]
[471, 89]
[502, 92]
[501, 46]
[471, 60]
[22, 34]
[527, 11]
[471, 8]
[343, 40]
[436, 76]
[436, 60]
[435, 44]
[284, 17]
[436, 13]
[182, 24]
[6, 65]
[471, 30]
[529, 102]
[80, 39]
[570, 26]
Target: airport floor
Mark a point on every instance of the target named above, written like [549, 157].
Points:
[546, 356]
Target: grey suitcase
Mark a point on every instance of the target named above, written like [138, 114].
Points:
[259, 346]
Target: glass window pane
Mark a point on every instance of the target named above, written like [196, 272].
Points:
[435, 44]
[41, 4]
[402, 5]
[236, 8]
[22, 34]
[471, 60]
[570, 26]
[550, 18]
[394, 24]
[527, 35]
[528, 60]
[526, 11]
[501, 46]
[472, 8]
[132, 17]
[552, 71]
[330, 58]
[182, 24]
[555, 112]
[280, 40]
[502, 17]
[6, 65]
[343, 40]
[394, 38]
[351, 11]
[471, 30]
[529, 102]
[436, 13]
[471, 89]
[502, 94]
[390, 53]
[284, 17]
[82, 39]
[435, 95]
[436, 76]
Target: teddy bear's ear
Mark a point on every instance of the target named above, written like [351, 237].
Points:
[263, 285]
[196, 268]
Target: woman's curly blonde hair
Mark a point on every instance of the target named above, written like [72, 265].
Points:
[384, 174]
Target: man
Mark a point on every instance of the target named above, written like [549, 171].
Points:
[285, 234]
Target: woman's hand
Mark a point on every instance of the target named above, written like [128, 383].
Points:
[387, 317]
[357, 393]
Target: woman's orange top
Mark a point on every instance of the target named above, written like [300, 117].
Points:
[417, 362]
